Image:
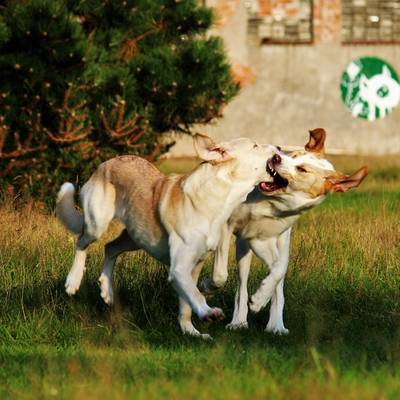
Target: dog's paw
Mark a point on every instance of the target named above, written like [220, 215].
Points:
[188, 329]
[214, 314]
[255, 305]
[205, 336]
[277, 330]
[233, 326]
[73, 283]
[202, 336]
[70, 289]
[106, 290]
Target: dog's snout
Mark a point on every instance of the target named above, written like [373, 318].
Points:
[276, 159]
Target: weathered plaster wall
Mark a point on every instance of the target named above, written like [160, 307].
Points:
[296, 88]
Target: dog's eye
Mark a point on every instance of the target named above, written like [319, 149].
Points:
[301, 169]
[255, 146]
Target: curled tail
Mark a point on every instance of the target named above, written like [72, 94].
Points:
[66, 211]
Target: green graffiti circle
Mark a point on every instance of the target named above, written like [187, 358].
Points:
[370, 88]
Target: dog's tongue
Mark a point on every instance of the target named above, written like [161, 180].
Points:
[268, 186]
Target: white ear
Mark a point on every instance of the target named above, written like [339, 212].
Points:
[207, 150]
[386, 71]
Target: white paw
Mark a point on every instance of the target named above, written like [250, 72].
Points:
[106, 290]
[277, 330]
[73, 282]
[256, 303]
[205, 336]
[188, 329]
[233, 326]
[214, 314]
[197, 334]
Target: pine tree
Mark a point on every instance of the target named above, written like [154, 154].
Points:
[84, 80]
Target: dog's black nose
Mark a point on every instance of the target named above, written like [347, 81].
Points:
[276, 159]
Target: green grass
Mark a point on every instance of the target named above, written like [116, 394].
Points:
[342, 309]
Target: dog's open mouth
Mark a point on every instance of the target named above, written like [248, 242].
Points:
[278, 183]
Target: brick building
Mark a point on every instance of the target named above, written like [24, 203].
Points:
[326, 21]
[290, 56]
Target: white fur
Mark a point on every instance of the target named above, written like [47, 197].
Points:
[178, 223]
[66, 210]
[263, 227]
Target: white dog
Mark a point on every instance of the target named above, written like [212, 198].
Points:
[176, 219]
[263, 225]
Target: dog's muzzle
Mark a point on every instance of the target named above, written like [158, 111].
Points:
[278, 181]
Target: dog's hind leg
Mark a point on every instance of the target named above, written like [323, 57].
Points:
[243, 257]
[113, 249]
[185, 311]
[75, 275]
[98, 200]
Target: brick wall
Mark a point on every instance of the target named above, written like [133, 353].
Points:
[285, 21]
[327, 21]
[371, 21]
[299, 21]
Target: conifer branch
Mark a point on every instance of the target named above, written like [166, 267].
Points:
[129, 48]
[22, 148]
[72, 127]
[128, 132]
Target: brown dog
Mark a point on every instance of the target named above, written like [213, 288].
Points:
[176, 219]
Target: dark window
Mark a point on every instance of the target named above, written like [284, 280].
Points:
[282, 22]
[371, 21]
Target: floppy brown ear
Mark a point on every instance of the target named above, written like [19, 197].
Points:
[207, 150]
[344, 183]
[317, 141]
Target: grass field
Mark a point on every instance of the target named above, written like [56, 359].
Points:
[342, 309]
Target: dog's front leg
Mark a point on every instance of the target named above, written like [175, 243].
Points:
[185, 312]
[275, 322]
[220, 267]
[243, 258]
[275, 253]
[184, 259]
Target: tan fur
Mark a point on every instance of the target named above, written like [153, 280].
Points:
[176, 219]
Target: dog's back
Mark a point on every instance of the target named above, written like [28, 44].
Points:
[138, 187]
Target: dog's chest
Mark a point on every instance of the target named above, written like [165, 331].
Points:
[262, 224]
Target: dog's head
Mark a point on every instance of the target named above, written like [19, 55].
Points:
[242, 158]
[307, 174]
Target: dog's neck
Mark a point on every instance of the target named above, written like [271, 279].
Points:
[270, 215]
[292, 205]
[284, 205]
[216, 182]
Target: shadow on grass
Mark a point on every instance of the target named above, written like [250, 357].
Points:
[337, 318]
